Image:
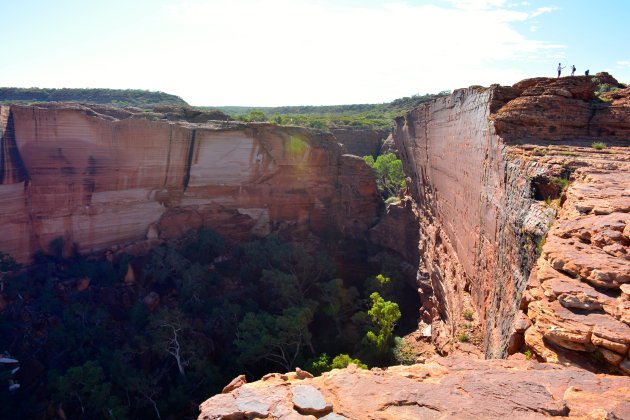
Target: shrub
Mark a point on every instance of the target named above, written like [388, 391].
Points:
[562, 183]
[319, 365]
[540, 244]
[598, 145]
[463, 338]
[323, 364]
[468, 314]
[403, 353]
[343, 360]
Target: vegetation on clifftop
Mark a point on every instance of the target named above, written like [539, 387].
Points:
[331, 116]
[113, 97]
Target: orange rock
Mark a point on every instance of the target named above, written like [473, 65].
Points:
[481, 164]
[453, 387]
[101, 177]
[130, 277]
[235, 383]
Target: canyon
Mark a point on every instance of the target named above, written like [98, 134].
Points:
[519, 198]
[101, 177]
[515, 224]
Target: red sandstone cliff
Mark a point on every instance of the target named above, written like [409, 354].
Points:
[517, 215]
[482, 162]
[101, 177]
[360, 141]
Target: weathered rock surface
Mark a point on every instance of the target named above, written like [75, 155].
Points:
[454, 387]
[361, 141]
[397, 230]
[575, 295]
[100, 177]
[489, 169]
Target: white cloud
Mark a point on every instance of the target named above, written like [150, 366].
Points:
[292, 52]
[623, 63]
[275, 52]
[477, 4]
[542, 10]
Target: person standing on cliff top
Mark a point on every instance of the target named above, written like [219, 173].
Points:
[560, 68]
[573, 69]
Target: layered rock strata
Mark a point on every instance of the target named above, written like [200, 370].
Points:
[461, 388]
[101, 177]
[575, 296]
[489, 170]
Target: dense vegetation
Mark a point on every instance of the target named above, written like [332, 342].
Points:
[94, 341]
[114, 97]
[390, 177]
[332, 116]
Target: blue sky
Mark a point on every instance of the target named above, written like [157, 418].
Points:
[296, 52]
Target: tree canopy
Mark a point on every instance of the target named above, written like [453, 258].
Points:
[390, 177]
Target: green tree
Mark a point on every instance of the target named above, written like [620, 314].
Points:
[165, 263]
[381, 284]
[196, 286]
[171, 336]
[384, 315]
[390, 177]
[276, 338]
[256, 116]
[341, 304]
[85, 386]
[205, 246]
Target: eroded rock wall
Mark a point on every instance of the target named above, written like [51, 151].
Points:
[361, 141]
[100, 179]
[485, 191]
[471, 203]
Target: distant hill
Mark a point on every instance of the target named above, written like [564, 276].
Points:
[331, 116]
[114, 97]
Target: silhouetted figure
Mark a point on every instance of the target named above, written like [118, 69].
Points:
[573, 69]
[586, 73]
[560, 68]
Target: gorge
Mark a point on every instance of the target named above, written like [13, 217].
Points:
[510, 212]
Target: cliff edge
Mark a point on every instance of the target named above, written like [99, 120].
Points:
[104, 177]
[503, 175]
[454, 387]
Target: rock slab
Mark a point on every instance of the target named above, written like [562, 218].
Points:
[452, 387]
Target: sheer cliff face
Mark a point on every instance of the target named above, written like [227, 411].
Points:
[100, 181]
[361, 142]
[481, 163]
[471, 203]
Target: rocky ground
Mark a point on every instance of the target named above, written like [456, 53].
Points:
[455, 387]
[577, 296]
